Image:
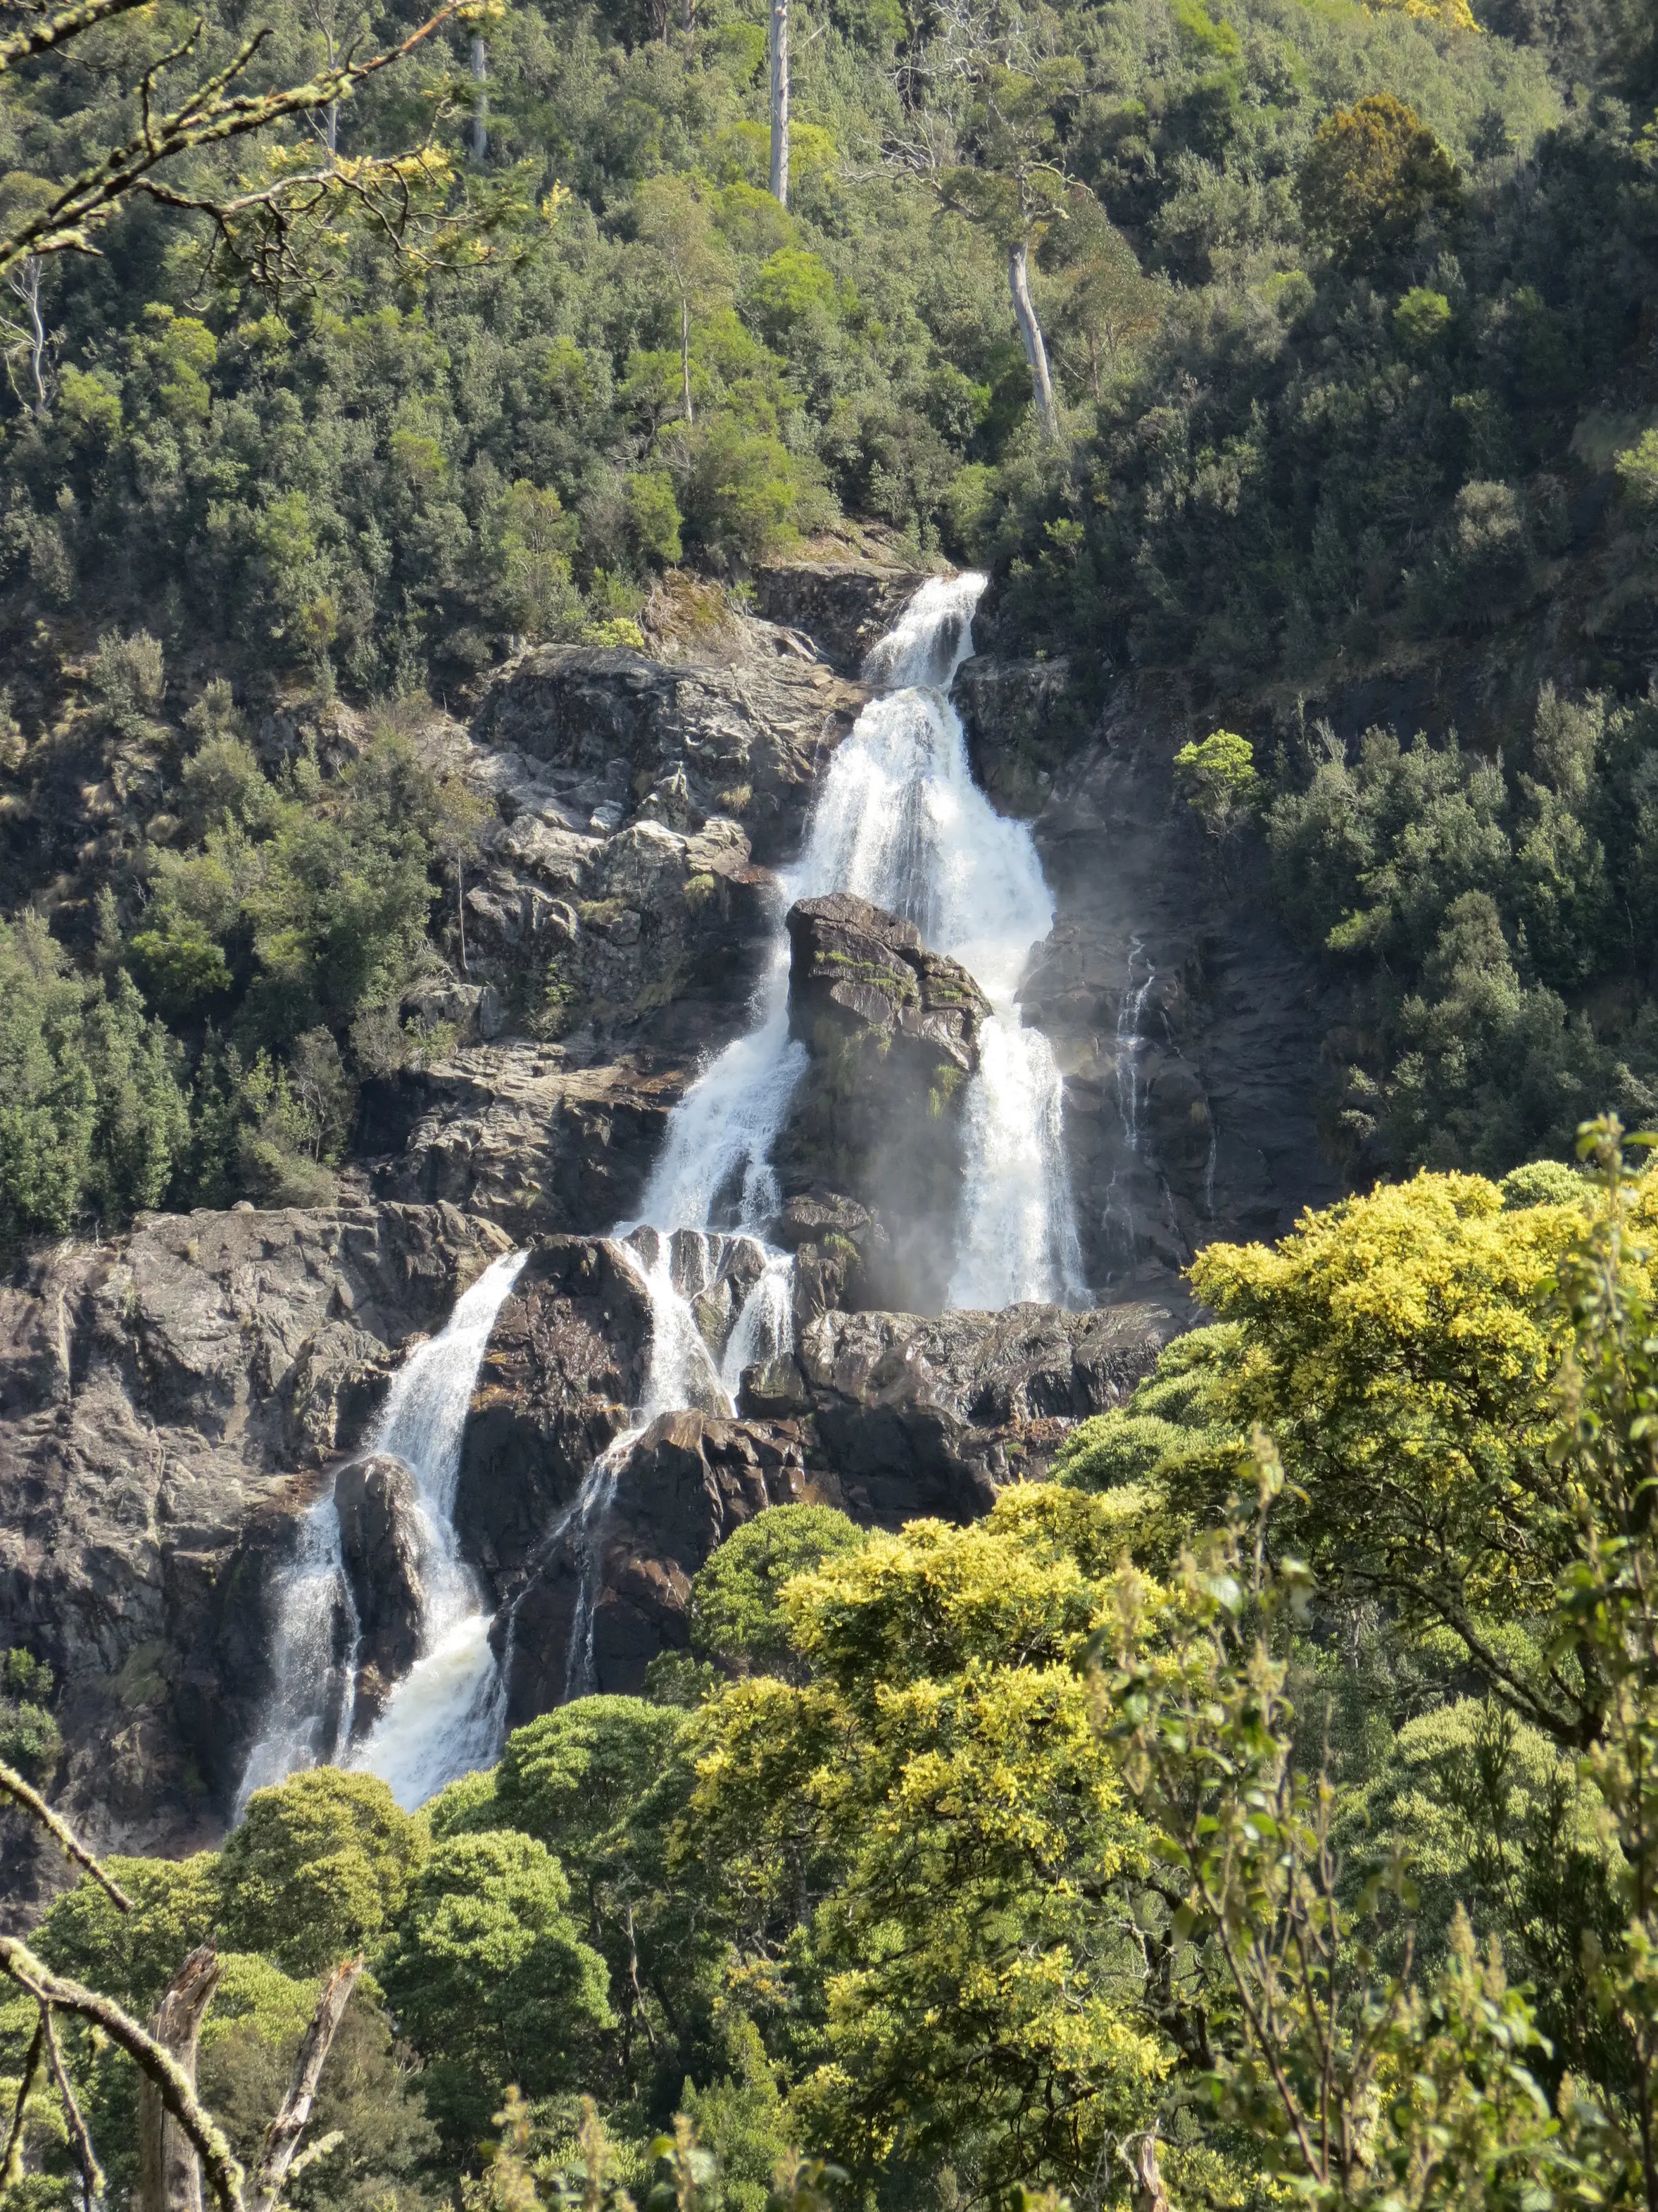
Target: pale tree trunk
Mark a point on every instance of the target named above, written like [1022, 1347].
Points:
[480, 75]
[685, 352]
[169, 2172]
[1024, 314]
[24, 278]
[281, 2138]
[1146, 2190]
[779, 101]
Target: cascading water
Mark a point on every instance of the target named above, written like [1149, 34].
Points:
[899, 821]
[445, 1716]
[313, 1659]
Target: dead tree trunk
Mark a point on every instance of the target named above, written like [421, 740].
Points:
[1031, 331]
[281, 2138]
[779, 101]
[169, 2172]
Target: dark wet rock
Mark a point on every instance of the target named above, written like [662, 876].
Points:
[843, 607]
[566, 1362]
[931, 1415]
[380, 1550]
[168, 1400]
[892, 1030]
[613, 1593]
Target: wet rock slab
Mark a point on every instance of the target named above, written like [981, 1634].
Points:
[613, 1595]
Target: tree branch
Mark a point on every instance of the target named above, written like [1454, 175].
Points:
[281, 2138]
[11, 2170]
[171, 2084]
[92, 2174]
[210, 116]
[13, 1785]
[58, 30]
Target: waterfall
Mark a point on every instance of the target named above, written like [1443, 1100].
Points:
[899, 820]
[445, 1716]
[313, 1659]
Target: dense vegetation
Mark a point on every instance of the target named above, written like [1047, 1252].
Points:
[1344, 307]
[899, 1862]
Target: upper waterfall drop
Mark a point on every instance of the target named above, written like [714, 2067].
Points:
[898, 820]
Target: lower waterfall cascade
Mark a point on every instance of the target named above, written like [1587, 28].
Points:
[898, 821]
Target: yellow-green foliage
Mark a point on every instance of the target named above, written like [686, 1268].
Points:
[318, 1868]
[939, 1785]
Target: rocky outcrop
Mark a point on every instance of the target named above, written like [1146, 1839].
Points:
[519, 1134]
[892, 1030]
[163, 1397]
[380, 1550]
[932, 1416]
[614, 1590]
[843, 607]
[620, 736]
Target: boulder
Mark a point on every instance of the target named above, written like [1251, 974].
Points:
[892, 1030]
[844, 607]
[380, 1550]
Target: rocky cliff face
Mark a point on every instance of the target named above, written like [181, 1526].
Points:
[172, 1401]
[167, 1403]
[1186, 1025]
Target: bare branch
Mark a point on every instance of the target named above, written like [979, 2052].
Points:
[281, 2138]
[92, 2174]
[174, 2086]
[12, 1784]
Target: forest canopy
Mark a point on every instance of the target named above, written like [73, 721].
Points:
[968, 1858]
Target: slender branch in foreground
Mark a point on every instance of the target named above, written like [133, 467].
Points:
[13, 1785]
[173, 2085]
[92, 2174]
[281, 2138]
[12, 2169]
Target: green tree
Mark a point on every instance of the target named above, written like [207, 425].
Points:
[1372, 174]
[1017, 188]
[319, 1867]
[489, 1978]
[1218, 780]
[738, 1616]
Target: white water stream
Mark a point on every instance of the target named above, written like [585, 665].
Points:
[899, 821]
